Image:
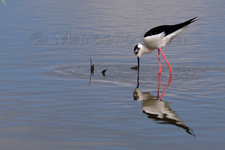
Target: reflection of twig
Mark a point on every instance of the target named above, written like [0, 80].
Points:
[3, 2]
[90, 79]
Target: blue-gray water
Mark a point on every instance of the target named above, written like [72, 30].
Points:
[48, 102]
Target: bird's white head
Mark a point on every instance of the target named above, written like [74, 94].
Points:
[139, 49]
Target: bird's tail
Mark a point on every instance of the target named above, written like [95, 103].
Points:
[190, 21]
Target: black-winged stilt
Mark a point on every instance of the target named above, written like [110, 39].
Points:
[157, 38]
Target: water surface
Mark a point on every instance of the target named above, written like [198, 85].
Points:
[50, 100]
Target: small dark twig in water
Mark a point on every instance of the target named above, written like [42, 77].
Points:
[103, 72]
[92, 66]
[92, 70]
[134, 68]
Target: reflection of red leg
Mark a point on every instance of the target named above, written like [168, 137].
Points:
[159, 62]
[166, 86]
[166, 60]
[159, 83]
[170, 80]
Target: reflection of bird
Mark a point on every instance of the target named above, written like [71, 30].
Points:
[158, 110]
[158, 37]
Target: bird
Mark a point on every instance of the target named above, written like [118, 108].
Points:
[157, 38]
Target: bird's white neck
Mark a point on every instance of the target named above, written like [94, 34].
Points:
[147, 50]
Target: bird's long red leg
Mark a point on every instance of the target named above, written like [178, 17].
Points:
[159, 62]
[159, 84]
[166, 60]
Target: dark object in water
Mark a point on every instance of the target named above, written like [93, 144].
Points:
[92, 66]
[103, 72]
[92, 69]
[134, 68]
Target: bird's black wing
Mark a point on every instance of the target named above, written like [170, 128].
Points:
[168, 29]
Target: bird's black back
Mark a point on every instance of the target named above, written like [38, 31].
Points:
[168, 29]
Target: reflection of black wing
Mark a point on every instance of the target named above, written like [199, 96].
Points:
[166, 120]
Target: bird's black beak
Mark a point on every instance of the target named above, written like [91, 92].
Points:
[138, 60]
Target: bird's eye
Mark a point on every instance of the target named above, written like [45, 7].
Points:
[136, 51]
